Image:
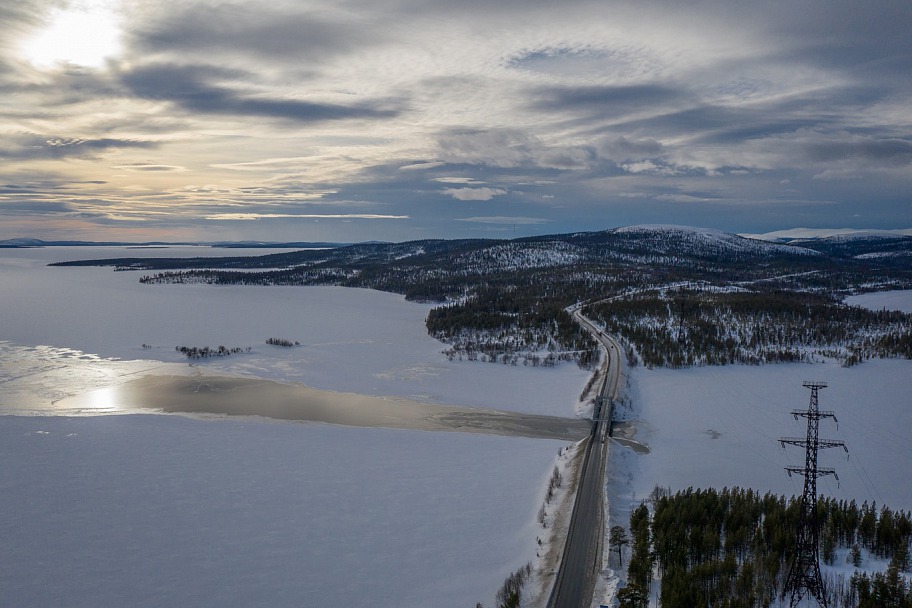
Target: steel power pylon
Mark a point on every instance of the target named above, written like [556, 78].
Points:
[804, 577]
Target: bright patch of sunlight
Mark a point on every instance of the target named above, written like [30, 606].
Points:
[84, 34]
[102, 400]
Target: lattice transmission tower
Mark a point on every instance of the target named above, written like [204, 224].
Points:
[804, 576]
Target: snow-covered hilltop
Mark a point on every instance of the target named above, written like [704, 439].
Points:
[702, 242]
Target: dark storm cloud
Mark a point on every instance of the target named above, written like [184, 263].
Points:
[824, 110]
[36, 206]
[18, 188]
[732, 122]
[46, 98]
[871, 39]
[40, 197]
[882, 152]
[242, 29]
[191, 88]
[606, 101]
[17, 15]
[622, 148]
[510, 148]
[721, 124]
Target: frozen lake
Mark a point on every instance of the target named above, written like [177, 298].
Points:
[171, 511]
[162, 510]
[897, 299]
[352, 340]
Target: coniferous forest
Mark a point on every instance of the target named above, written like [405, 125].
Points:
[678, 297]
[732, 548]
[686, 327]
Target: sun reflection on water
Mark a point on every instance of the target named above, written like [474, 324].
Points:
[102, 400]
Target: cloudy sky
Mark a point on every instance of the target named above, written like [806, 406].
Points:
[406, 119]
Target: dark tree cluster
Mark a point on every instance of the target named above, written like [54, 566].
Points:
[732, 548]
[688, 327]
[505, 327]
[282, 342]
[204, 352]
[639, 571]
[510, 593]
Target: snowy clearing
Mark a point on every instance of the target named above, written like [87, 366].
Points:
[716, 427]
[719, 426]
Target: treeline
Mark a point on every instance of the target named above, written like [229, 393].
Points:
[510, 593]
[204, 352]
[282, 342]
[688, 327]
[733, 548]
[505, 301]
[504, 328]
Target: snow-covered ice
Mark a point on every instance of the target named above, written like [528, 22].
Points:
[172, 511]
[898, 299]
[352, 340]
[719, 426]
[166, 510]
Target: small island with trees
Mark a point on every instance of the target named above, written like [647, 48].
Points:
[282, 342]
[205, 352]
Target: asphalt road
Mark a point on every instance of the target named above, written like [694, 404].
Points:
[581, 561]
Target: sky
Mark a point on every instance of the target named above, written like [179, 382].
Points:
[351, 120]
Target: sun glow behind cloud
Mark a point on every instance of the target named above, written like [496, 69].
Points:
[83, 34]
[199, 117]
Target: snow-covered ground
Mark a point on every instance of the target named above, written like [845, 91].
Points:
[719, 426]
[900, 299]
[166, 510]
[170, 511]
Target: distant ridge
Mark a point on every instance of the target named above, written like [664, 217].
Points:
[807, 234]
[665, 245]
[29, 242]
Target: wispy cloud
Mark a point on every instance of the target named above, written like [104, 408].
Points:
[304, 216]
[474, 194]
[142, 168]
[573, 117]
[505, 220]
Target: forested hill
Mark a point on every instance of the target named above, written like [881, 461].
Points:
[886, 249]
[505, 300]
[636, 244]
